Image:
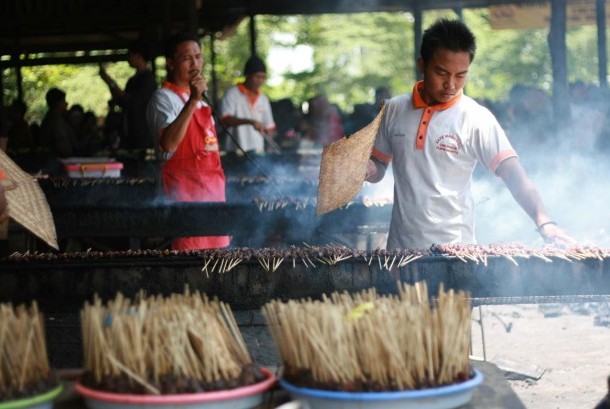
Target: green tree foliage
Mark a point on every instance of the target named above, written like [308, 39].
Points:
[81, 83]
[505, 58]
[352, 54]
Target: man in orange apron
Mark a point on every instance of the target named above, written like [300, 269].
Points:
[183, 124]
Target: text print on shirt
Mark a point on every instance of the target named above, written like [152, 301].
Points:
[448, 143]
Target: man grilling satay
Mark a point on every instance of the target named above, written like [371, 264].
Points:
[434, 137]
[183, 124]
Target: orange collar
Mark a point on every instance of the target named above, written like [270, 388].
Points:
[252, 95]
[427, 112]
[178, 90]
[418, 101]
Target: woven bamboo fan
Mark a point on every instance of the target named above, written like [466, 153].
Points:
[27, 203]
[343, 167]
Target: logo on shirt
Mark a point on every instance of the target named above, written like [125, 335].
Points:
[210, 141]
[448, 143]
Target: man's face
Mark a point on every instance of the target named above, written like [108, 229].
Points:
[131, 59]
[444, 75]
[187, 63]
[256, 80]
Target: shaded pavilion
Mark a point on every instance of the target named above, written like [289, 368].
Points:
[90, 31]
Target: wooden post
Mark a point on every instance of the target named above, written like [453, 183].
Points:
[252, 35]
[213, 70]
[557, 46]
[192, 18]
[1, 88]
[602, 53]
[417, 35]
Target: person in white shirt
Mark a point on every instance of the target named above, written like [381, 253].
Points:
[434, 137]
[246, 111]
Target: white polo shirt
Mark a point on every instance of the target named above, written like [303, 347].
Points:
[434, 150]
[239, 102]
[163, 108]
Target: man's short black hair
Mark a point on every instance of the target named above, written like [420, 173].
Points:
[143, 47]
[254, 64]
[172, 43]
[451, 35]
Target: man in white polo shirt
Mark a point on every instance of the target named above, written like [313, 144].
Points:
[247, 111]
[434, 138]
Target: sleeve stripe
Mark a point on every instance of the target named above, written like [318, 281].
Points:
[381, 156]
[495, 162]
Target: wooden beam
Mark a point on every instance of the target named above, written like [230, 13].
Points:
[69, 60]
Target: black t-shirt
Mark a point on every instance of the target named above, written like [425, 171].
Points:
[138, 91]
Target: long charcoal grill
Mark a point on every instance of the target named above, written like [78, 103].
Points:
[100, 191]
[249, 223]
[132, 208]
[247, 278]
[62, 283]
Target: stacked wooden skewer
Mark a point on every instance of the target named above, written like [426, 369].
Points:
[366, 342]
[24, 365]
[185, 343]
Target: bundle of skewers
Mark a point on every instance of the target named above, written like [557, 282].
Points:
[185, 343]
[370, 343]
[24, 365]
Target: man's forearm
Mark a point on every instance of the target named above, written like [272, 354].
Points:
[174, 133]
[234, 121]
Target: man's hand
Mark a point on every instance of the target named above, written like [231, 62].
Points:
[553, 234]
[371, 170]
[198, 86]
[259, 127]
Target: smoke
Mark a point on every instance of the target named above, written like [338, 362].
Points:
[570, 179]
[569, 168]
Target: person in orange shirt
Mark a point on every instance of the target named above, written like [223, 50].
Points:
[246, 111]
[434, 138]
[182, 122]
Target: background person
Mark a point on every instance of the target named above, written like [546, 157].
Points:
[184, 126]
[21, 140]
[134, 98]
[57, 139]
[434, 137]
[246, 111]
[323, 124]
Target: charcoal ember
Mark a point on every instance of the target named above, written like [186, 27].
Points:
[251, 374]
[170, 383]
[298, 376]
[304, 378]
[31, 389]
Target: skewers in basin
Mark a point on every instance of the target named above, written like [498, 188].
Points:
[26, 379]
[166, 351]
[366, 347]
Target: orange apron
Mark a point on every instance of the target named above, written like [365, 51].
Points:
[194, 173]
